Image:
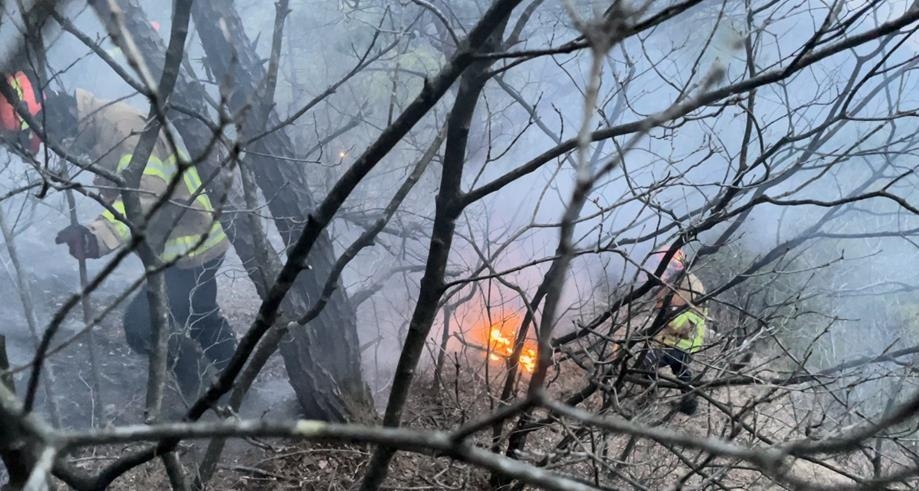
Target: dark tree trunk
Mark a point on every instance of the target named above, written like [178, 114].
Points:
[322, 359]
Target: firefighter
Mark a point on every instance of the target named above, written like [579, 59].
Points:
[184, 230]
[14, 126]
[683, 333]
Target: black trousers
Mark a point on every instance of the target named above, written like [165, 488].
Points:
[192, 297]
[677, 359]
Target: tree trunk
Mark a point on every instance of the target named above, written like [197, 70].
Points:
[191, 95]
[323, 359]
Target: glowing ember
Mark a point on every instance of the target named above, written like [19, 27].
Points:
[502, 347]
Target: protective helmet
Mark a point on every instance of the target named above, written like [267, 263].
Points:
[676, 265]
[10, 122]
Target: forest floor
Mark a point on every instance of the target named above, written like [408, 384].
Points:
[279, 464]
[123, 373]
[466, 393]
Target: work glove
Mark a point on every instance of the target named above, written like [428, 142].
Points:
[82, 242]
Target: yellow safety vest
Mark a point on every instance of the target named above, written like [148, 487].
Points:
[692, 344]
[176, 246]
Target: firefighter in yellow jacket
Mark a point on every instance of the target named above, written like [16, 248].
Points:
[184, 228]
[684, 332]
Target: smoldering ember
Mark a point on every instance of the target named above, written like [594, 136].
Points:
[459, 244]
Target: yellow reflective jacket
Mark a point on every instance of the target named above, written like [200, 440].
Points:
[182, 228]
[686, 331]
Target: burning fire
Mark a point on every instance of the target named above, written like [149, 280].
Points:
[502, 345]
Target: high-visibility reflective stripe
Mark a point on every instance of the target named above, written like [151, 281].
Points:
[155, 167]
[120, 227]
[193, 183]
[188, 245]
[694, 343]
[16, 85]
[167, 170]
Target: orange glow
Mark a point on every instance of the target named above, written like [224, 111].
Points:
[500, 337]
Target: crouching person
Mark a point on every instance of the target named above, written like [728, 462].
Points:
[184, 228]
[684, 332]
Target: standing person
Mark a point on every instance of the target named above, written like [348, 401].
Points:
[184, 230]
[684, 331]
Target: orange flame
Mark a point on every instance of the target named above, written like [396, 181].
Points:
[502, 345]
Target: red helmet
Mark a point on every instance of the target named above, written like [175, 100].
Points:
[10, 122]
[676, 265]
